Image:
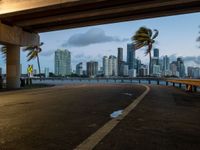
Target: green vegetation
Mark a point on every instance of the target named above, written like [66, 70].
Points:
[144, 37]
[33, 52]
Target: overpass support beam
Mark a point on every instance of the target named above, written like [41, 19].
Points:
[13, 67]
[13, 37]
[16, 36]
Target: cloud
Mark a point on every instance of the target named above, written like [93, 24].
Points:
[187, 59]
[47, 52]
[195, 59]
[92, 36]
[86, 58]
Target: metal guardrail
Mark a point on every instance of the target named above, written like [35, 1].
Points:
[192, 82]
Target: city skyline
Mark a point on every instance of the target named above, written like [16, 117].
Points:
[177, 38]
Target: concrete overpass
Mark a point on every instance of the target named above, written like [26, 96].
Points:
[21, 21]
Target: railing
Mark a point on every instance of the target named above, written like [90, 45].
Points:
[191, 84]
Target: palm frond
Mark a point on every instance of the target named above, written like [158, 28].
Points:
[156, 34]
[150, 33]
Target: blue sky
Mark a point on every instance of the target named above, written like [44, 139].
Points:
[177, 37]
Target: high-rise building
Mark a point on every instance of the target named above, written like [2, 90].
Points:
[190, 71]
[105, 66]
[62, 62]
[92, 68]
[46, 72]
[112, 66]
[156, 52]
[120, 62]
[156, 70]
[161, 64]
[193, 72]
[181, 67]
[126, 70]
[131, 61]
[79, 69]
[166, 69]
[138, 66]
[196, 73]
[173, 69]
[143, 71]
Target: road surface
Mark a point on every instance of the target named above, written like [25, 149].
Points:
[59, 118]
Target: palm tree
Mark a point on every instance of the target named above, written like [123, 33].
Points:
[144, 37]
[33, 52]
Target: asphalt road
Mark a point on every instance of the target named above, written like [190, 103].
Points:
[58, 118]
[166, 119]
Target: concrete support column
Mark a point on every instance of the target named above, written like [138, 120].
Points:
[13, 67]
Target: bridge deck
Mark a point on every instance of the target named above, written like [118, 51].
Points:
[42, 16]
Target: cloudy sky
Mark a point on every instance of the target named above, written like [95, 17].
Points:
[177, 37]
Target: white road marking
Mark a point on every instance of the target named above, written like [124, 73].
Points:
[96, 137]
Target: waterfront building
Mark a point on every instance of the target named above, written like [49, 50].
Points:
[166, 66]
[161, 64]
[156, 70]
[62, 62]
[181, 67]
[193, 72]
[138, 66]
[190, 71]
[112, 66]
[143, 71]
[131, 60]
[173, 69]
[154, 66]
[79, 69]
[132, 73]
[105, 66]
[46, 72]
[196, 73]
[84, 73]
[100, 72]
[34, 72]
[92, 68]
[120, 62]
[126, 70]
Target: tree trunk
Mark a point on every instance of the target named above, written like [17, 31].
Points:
[150, 65]
[38, 62]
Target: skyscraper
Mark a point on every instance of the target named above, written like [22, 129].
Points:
[138, 65]
[120, 61]
[156, 52]
[193, 72]
[181, 67]
[166, 69]
[112, 66]
[131, 61]
[46, 72]
[62, 62]
[173, 69]
[92, 68]
[105, 66]
[79, 69]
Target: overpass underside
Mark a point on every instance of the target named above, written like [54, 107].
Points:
[21, 21]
